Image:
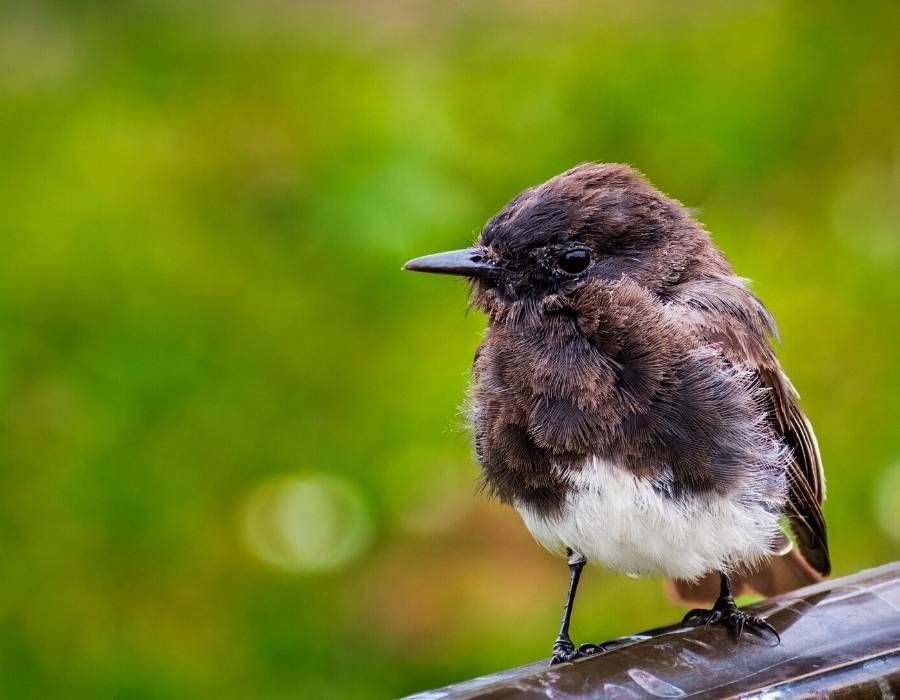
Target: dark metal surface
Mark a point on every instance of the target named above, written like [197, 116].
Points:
[839, 638]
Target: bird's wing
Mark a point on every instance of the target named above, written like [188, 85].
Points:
[806, 478]
[725, 313]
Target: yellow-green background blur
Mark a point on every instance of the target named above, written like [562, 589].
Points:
[233, 458]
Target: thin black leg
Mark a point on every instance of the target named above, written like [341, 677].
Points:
[563, 649]
[574, 576]
[725, 597]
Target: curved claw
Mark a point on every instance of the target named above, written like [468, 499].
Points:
[701, 616]
[591, 649]
[562, 658]
[739, 622]
[695, 613]
[715, 617]
[762, 624]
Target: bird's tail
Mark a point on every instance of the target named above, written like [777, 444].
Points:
[778, 574]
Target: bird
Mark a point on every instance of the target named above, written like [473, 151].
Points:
[627, 401]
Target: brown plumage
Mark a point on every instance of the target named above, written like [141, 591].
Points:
[628, 370]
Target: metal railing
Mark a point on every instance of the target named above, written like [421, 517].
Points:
[839, 638]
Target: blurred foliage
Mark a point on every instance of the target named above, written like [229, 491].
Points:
[204, 211]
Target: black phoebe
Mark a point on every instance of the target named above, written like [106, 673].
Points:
[626, 400]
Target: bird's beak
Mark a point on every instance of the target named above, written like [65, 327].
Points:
[468, 262]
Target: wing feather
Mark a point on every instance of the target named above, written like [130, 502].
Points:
[725, 313]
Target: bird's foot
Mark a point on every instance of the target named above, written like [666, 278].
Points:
[727, 613]
[564, 651]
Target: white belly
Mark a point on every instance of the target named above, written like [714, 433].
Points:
[621, 521]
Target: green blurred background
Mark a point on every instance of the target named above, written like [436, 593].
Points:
[233, 458]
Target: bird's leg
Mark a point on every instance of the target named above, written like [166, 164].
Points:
[563, 649]
[726, 612]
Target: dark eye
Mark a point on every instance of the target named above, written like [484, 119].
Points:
[575, 261]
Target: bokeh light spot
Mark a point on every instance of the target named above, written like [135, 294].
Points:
[307, 523]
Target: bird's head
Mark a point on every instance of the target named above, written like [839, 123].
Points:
[593, 224]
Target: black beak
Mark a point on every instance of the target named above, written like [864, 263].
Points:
[468, 262]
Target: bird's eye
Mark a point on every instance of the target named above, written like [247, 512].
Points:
[574, 261]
